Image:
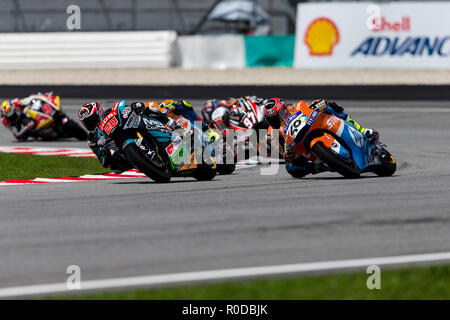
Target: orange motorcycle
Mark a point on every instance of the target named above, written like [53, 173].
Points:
[320, 136]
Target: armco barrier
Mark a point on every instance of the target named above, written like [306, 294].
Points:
[86, 49]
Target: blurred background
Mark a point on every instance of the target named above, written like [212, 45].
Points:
[223, 34]
[348, 51]
[185, 17]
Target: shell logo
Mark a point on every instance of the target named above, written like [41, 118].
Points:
[321, 36]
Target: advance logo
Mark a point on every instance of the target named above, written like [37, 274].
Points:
[395, 46]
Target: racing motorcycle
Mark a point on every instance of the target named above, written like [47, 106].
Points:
[319, 136]
[224, 167]
[50, 121]
[153, 147]
[245, 118]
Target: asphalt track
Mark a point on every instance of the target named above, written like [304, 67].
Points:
[135, 227]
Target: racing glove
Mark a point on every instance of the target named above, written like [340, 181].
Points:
[337, 108]
[322, 105]
[319, 104]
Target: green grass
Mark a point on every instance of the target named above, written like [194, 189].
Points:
[24, 166]
[412, 283]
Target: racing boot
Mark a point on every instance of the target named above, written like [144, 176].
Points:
[371, 134]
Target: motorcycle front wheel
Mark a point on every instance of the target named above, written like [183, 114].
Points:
[388, 164]
[157, 170]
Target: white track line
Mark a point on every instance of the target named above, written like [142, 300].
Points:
[224, 274]
[99, 177]
[53, 180]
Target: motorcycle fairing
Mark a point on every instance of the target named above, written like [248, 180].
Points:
[357, 142]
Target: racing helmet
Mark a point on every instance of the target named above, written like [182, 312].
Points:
[8, 111]
[275, 111]
[221, 118]
[222, 103]
[89, 115]
[208, 109]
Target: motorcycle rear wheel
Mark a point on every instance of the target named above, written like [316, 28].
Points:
[226, 168]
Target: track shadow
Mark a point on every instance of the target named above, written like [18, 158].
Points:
[344, 178]
[152, 182]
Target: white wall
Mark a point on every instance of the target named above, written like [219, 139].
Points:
[86, 50]
[212, 51]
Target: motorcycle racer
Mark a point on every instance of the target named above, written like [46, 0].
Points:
[39, 116]
[91, 114]
[232, 104]
[209, 107]
[23, 123]
[13, 117]
[181, 111]
[277, 111]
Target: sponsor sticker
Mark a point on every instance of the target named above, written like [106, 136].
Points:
[321, 36]
[170, 149]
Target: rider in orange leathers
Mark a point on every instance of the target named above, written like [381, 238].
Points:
[276, 111]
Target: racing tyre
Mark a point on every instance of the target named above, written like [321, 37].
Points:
[348, 170]
[388, 164]
[73, 129]
[225, 169]
[139, 158]
[204, 172]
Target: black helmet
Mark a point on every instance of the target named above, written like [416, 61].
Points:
[89, 115]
